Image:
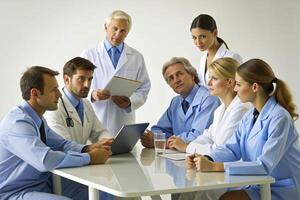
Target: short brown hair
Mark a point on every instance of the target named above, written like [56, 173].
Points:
[77, 63]
[33, 78]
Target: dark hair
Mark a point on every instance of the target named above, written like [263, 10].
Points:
[33, 78]
[77, 63]
[206, 22]
[258, 71]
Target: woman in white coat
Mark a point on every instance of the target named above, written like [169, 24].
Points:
[205, 36]
[266, 140]
[226, 117]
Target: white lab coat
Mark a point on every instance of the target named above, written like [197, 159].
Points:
[221, 53]
[222, 128]
[130, 65]
[91, 130]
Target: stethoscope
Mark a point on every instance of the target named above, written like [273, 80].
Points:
[69, 120]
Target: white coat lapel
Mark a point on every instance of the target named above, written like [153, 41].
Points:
[221, 52]
[107, 63]
[123, 57]
[71, 110]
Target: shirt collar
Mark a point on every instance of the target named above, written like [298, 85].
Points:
[71, 97]
[192, 94]
[270, 103]
[27, 107]
[108, 45]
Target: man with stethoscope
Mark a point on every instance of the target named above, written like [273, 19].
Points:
[75, 118]
[113, 57]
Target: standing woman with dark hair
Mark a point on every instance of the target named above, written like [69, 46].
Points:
[205, 36]
[266, 140]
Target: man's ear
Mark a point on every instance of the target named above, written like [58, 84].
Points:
[34, 93]
[67, 79]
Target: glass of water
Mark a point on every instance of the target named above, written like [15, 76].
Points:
[159, 142]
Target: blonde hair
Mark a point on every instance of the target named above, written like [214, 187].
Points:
[119, 14]
[258, 71]
[224, 68]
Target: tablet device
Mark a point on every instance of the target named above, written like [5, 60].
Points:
[127, 137]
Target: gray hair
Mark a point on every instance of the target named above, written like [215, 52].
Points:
[119, 14]
[186, 64]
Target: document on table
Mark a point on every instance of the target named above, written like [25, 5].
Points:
[120, 86]
[173, 155]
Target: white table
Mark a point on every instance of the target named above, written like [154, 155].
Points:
[141, 173]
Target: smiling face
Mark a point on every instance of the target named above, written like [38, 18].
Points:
[179, 79]
[116, 31]
[203, 39]
[79, 84]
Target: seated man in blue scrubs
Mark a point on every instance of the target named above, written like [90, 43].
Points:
[29, 149]
[190, 112]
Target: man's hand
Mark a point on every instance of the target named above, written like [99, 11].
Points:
[103, 143]
[99, 94]
[121, 101]
[177, 143]
[99, 155]
[147, 139]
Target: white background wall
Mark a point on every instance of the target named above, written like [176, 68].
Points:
[49, 33]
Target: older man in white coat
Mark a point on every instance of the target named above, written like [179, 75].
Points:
[113, 57]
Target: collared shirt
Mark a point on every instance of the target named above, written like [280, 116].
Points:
[75, 103]
[25, 161]
[108, 48]
[71, 98]
[198, 117]
[191, 95]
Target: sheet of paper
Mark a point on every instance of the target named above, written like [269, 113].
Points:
[174, 156]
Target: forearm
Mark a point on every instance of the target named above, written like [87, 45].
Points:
[218, 167]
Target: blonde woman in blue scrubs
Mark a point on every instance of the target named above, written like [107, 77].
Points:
[266, 139]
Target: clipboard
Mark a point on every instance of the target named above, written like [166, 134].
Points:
[120, 86]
